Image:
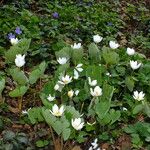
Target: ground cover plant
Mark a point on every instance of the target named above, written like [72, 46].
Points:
[74, 75]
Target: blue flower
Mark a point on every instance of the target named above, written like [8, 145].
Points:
[18, 31]
[55, 15]
[11, 36]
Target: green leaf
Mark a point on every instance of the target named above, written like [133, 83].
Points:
[110, 56]
[103, 106]
[94, 53]
[66, 133]
[42, 143]
[137, 109]
[35, 115]
[65, 52]
[129, 83]
[114, 115]
[147, 108]
[77, 55]
[37, 73]
[20, 48]
[19, 76]
[19, 91]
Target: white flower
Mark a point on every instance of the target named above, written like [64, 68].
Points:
[91, 148]
[56, 87]
[113, 44]
[62, 60]
[65, 80]
[76, 92]
[130, 51]
[14, 41]
[50, 98]
[138, 95]
[24, 112]
[108, 74]
[92, 83]
[20, 60]
[96, 92]
[94, 144]
[134, 64]
[57, 111]
[76, 74]
[78, 67]
[70, 93]
[76, 46]
[77, 123]
[97, 38]
[124, 109]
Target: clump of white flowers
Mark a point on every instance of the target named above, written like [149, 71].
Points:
[56, 111]
[20, 60]
[134, 64]
[97, 38]
[76, 46]
[138, 95]
[113, 44]
[130, 51]
[77, 123]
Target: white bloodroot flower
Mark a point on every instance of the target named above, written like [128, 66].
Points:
[76, 92]
[14, 41]
[57, 111]
[97, 38]
[20, 60]
[62, 60]
[96, 92]
[77, 70]
[77, 123]
[134, 64]
[130, 51]
[92, 83]
[113, 44]
[138, 95]
[70, 93]
[76, 74]
[78, 67]
[50, 98]
[56, 87]
[76, 46]
[65, 80]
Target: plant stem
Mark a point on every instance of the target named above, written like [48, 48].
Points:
[20, 104]
[53, 138]
[61, 143]
[82, 107]
[91, 102]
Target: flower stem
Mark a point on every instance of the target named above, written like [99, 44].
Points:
[91, 103]
[53, 138]
[20, 104]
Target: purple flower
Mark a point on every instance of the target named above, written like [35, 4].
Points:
[55, 15]
[18, 31]
[11, 36]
